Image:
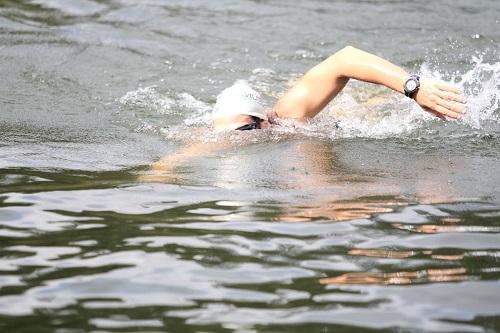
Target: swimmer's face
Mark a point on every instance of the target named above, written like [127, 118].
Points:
[252, 123]
[238, 121]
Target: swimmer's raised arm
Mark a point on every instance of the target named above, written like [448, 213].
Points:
[324, 81]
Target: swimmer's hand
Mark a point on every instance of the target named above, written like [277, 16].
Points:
[440, 99]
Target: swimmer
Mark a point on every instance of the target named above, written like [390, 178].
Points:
[237, 107]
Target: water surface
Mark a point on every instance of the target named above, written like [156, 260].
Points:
[374, 217]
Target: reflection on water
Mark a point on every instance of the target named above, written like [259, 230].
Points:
[383, 253]
[432, 229]
[206, 247]
[361, 208]
[423, 276]
[140, 254]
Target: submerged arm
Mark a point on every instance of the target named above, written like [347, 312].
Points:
[324, 81]
[164, 169]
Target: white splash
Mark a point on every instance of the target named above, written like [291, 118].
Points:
[148, 98]
[391, 116]
[396, 115]
[362, 110]
[481, 84]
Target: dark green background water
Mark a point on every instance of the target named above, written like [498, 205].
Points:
[389, 221]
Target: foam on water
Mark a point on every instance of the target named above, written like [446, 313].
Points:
[398, 116]
[482, 86]
[149, 98]
[154, 110]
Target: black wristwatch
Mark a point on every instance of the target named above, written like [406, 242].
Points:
[411, 85]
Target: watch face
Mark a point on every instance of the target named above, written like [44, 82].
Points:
[411, 85]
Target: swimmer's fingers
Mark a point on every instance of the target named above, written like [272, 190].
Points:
[440, 99]
[444, 111]
[435, 114]
[449, 88]
[451, 107]
[448, 97]
[451, 96]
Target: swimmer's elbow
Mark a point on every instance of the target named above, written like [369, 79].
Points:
[345, 52]
[341, 60]
[348, 48]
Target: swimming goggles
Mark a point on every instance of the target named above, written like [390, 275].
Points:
[255, 124]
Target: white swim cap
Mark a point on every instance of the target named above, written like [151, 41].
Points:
[238, 99]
